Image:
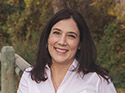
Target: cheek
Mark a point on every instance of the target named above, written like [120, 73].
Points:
[51, 40]
[73, 45]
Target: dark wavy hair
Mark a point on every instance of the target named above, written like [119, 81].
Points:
[86, 56]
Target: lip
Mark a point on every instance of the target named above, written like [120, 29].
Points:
[61, 50]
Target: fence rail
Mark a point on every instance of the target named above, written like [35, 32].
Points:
[10, 63]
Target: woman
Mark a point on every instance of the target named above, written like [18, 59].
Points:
[66, 59]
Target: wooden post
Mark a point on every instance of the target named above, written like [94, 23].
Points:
[7, 69]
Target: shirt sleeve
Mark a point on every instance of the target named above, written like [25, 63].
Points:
[23, 85]
[105, 87]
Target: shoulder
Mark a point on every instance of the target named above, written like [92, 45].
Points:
[93, 77]
[26, 76]
[26, 73]
[28, 69]
[25, 82]
[98, 82]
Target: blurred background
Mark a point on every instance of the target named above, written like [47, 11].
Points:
[22, 21]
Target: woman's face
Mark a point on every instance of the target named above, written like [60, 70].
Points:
[63, 41]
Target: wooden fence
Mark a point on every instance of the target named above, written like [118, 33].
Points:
[11, 64]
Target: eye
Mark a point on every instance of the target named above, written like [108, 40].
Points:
[56, 32]
[72, 36]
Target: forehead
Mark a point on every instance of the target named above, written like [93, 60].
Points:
[66, 25]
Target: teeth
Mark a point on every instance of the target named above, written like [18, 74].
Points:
[61, 50]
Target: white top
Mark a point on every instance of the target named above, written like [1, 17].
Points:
[73, 83]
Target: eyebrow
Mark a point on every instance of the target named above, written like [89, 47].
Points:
[56, 29]
[61, 30]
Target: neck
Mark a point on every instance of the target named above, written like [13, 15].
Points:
[58, 72]
[59, 68]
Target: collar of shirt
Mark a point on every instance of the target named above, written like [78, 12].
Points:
[73, 66]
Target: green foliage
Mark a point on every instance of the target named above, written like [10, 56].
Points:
[24, 27]
[21, 24]
[111, 52]
[96, 15]
[6, 8]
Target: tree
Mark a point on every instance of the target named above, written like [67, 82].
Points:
[57, 5]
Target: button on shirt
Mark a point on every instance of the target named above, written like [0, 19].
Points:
[73, 82]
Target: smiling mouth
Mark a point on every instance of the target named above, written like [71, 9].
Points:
[61, 50]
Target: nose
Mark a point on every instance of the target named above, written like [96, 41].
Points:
[62, 40]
